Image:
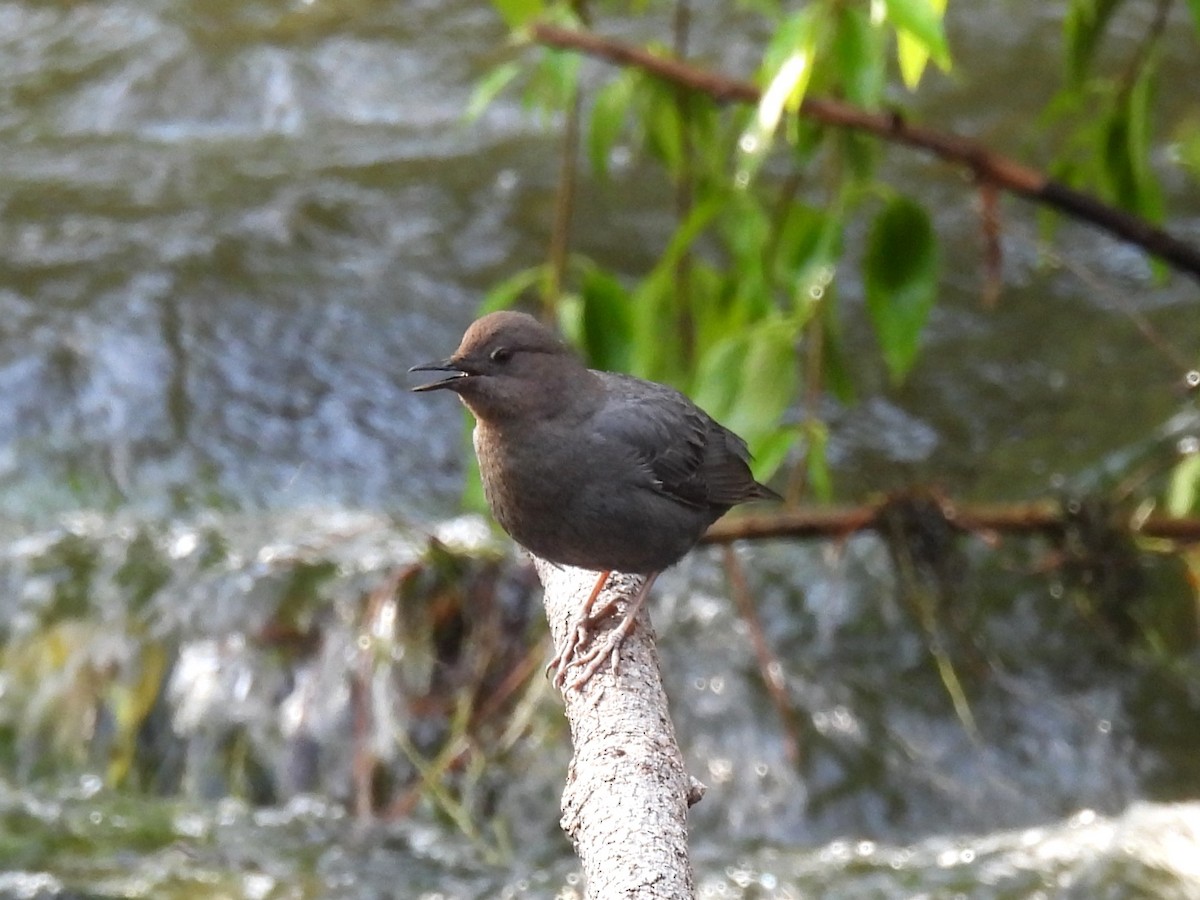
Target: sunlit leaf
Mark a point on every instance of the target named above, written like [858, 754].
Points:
[788, 64]
[1183, 493]
[489, 88]
[517, 13]
[921, 36]
[913, 56]
[901, 280]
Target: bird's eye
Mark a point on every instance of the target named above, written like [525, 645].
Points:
[501, 355]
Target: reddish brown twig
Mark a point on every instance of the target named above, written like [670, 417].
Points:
[1018, 518]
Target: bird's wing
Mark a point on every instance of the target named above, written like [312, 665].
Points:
[687, 455]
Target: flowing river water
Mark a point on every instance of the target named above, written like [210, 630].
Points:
[226, 231]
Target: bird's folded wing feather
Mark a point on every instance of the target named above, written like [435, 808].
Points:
[687, 456]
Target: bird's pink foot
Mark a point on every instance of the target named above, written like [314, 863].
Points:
[578, 632]
[603, 648]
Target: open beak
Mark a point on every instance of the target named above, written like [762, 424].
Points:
[445, 365]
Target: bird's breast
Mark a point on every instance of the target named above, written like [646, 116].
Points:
[580, 502]
[523, 480]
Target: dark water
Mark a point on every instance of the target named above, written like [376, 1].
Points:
[227, 229]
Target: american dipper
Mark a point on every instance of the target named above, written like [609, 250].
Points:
[592, 469]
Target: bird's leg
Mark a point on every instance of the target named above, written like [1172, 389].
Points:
[577, 632]
[608, 649]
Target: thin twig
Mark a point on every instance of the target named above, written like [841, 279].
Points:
[1016, 518]
[564, 206]
[685, 188]
[768, 663]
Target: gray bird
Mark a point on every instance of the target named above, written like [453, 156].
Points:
[592, 469]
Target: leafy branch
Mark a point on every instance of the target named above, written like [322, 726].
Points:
[985, 166]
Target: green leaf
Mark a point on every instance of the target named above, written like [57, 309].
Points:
[901, 280]
[817, 460]
[1184, 489]
[711, 310]
[920, 34]
[718, 378]
[1187, 145]
[489, 87]
[508, 291]
[552, 81]
[607, 120]
[1126, 148]
[769, 376]
[748, 380]
[654, 301]
[746, 230]
[859, 55]
[1083, 28]
[808, 246]
[1141, 145]
[607, 320]
[770, 451]
[769, 373]
[913, 56]
[664, 127]
[517, 13]
[859, 153]
[1194, 6]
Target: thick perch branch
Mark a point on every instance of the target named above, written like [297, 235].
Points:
[627, 794]
[985, 166]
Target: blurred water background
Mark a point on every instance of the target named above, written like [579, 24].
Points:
[226, 231]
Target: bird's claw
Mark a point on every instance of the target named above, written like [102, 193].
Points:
[609, 647]
[563, 659]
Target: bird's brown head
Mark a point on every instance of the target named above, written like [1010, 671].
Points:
[509, 366]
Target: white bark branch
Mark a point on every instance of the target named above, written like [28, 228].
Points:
[627, 794]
